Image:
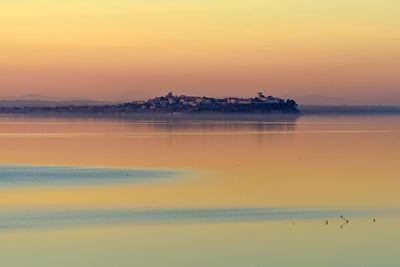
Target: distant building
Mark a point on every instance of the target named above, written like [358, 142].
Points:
[260, 95]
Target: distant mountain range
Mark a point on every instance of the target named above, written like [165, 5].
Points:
[38, 100]
[324, 100]
[320, 100]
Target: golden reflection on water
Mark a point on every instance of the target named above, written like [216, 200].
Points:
[306, 243]
[311, 161]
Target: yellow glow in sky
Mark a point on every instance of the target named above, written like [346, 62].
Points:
[134, 49]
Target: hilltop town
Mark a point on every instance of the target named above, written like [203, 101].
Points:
[183, 103]
[173, 103]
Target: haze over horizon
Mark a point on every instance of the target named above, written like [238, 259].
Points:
[301, 100]
[346, 51]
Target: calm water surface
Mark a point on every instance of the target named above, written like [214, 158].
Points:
[249, 192]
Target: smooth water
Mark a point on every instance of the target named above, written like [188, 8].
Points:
[308, 191]
[56, 176]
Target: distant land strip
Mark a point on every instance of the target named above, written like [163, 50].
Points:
[348, 109]
[182, 104]
[171, 104]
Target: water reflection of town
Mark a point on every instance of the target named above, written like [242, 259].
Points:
[220, 125]
[145, 124]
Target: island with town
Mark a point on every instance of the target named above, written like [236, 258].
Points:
[171, 103]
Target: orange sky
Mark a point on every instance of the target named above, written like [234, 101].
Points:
[119, 50]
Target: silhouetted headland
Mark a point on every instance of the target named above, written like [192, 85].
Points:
[172, 104]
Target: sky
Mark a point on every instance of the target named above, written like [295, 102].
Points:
[135, 49]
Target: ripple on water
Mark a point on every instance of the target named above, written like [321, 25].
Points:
[49, 176]
[76, 218]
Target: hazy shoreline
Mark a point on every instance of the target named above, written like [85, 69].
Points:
[305, 110]
[348, 110]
